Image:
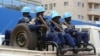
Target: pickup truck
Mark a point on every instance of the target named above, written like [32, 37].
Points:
[51, 48]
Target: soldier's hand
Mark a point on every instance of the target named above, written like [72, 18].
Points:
[57, 29]
[42, 25]
[74, 33]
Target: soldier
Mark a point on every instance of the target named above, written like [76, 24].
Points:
[65, 38]
[40, 24]
[79, 36]
[25, 19]
[26, 15]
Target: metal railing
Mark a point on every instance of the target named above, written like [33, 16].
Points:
[98, 9]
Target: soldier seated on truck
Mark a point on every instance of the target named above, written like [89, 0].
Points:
[40, 24]
[79, 36]
[65, 38]
[25, 19]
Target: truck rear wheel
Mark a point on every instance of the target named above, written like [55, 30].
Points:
[22, 37]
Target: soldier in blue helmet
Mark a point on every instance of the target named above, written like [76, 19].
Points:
[26, 15]
[54, 29]
[25, 19]
[65, 38]
[38, 24]
[79, 36]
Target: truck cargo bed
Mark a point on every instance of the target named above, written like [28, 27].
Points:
[10, 51]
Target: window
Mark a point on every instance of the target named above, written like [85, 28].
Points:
[0, 3]
[65, 3]
[54, 4]
[0, 6]
[90, 18]
[79, 16]
[96, 19]
[50, 6]
[32, 6]
[97, 6]
[82, 17]
[16, 3]
[82, 4]
[79, 3]
[24, 4]
[36, 5]
[7, 3]
[42, 5]
[46, 6]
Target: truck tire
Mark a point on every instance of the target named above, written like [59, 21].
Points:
[22, 37]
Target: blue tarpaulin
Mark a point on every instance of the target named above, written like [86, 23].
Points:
[76, 22]
[9, 19]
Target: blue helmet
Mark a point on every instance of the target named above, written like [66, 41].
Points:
[67, 14]
[54, 14]
[26, 9]
[39, 9]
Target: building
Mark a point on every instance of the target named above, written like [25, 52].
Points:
[18, 4]
[84, 10]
